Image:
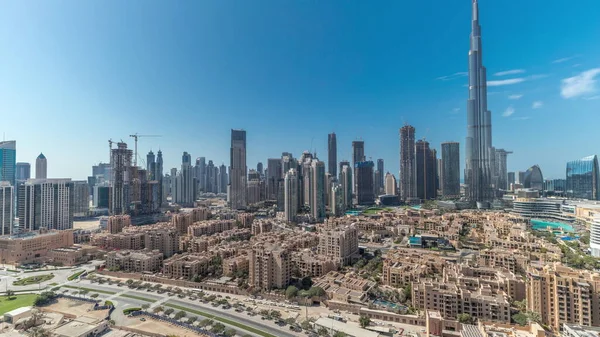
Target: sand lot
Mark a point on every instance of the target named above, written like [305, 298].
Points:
[90, 224]
[154, 326]
[77, 308]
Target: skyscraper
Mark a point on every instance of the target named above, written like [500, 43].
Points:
[23, 171]
[7, 207]
[511, 179]
[450, 174]
[41, 167]
[346, 182]
[390, 184]
[582, 178]
[479, 151]
[8, 161]
[259, 168]
[380, 182]
[121, 162]
[158, 175]
[426, 171]
[151, 165]
[534, 178]
[274, 174]
[332, 154]
[317, 190]
[237, 170]
[223, 178]
[358, 155]
[408, 168]
[291, 195]
[363, 176]
[46, 203]
[185, 182]
[500, 173]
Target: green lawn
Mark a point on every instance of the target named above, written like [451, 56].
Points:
[33, 280]
[221, 319]
[92, 290]
[22, 300]
[139, 298]
[76, 275]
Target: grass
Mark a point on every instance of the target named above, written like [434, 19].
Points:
[76, 275]
[130, 310]
[138, 298]
[33, 280]
[17, 301]
[92, 290]
[53, 284]
[222, 320]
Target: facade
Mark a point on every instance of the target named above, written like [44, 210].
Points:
[269, 267]
[381, 181]
[364, 182]
[479, 152]
[81, 198]
[185, 266]
[501, 175]
[8, 161]
[185, 183]
[274, 174]
[346, 182]
[408, 165]
[595, 237]
[291, 195]
[317, 190]
[116, 223]
[236, 194]
[45, 203]
[339, 243]
[7, 208]
[426, 171]
[391, 186]
[534, 178]
[332, 154]
[511, 179]
[336, 202]
[32, 246]
[583, 179]
[134, 261]
[450, 169]
[120, 161]
[41, 167]
[23, 172]
[223, 178]
[358, 155]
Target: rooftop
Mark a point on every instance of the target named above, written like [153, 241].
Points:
[348, 329]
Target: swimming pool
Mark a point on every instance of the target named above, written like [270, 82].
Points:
[415, 240]
[537, 224]
[383, 303]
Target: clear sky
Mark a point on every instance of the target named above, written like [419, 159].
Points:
[75, 73]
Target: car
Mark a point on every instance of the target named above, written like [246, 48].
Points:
[142, 319]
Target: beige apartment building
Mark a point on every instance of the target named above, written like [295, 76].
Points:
[32, 246]
[185, 266]
[134, 261]
[339, 242]
[404, 266]
[116, 223]
[70, 256]
[307, 263]
[181, 221]
[269, 266]
[560, 294]
[210, 227]
[120, 241]
[165, 240]
[161, 236]
[245, 219]
[261, 227]
[236, 264]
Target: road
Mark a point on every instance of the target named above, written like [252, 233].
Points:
[60, 277]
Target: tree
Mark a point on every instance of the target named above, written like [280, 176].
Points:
[230, 332]
[111, 322]
[145, 306]
[316, 292]
[169, 311]
[520, 319]
[83, 292]
[44, 298]
[339, 334]
[305, 325]
[323, 332]
[39, 332]
[158, 309]
[291, 292]
[306, 282]
[217, 328]
[407, 292]
[206, 322]
[275, 314]
[94, 295]
[465, 319]
[10, 294]
[191, 320]
[129, 282]
[364, 321]
[180, 314]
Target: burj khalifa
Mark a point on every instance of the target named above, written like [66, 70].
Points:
[479, 151]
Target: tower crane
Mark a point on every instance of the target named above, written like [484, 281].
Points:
[110, 143]
[136, 136]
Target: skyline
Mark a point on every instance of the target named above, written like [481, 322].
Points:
[331, 72]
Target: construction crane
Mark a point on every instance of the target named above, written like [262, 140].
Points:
[136, 136]
[110, 143]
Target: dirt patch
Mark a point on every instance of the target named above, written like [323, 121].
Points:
[164, 328]
[72, 308]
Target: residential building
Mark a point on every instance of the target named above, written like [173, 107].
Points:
[116, 223]
[121, 162]
[23, 172]
[269, 267]
[426, 171]
[134, 261]
[236, 194]
[380, 183]
[332, 154]
[223, 178]
[186, 266]
[185, 182]
[32, 246]
[7, 208]
[8, 161]
[291, 195]
[364, 182]
[358, 155]
[41, 167]
[317, 190]
[511, 179]
[45, 203]
[346, 182]
[500, 175]
[391, 186]
[450, 173]
[583, 178]
[81, 198]
[408, 165]
[337, 200]
[339, 242]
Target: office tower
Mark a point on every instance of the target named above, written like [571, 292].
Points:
[287, 163]
[439, 180]
[337, 200]
[582, 179]
[291, 195]
[342, 164]
[346, 182]
[201, 173]
[23, 172]
[534, 178]
[332, 154]
[45, 203]
[511, 179]
[390, 184]
[274, 171]
[150, 165]
[120, 179]
[238, 170]
[363, 177]
[358, 155]
[81, 198]
[450, 174]
[7, 207]
[479, 152]
[501, 174]
[223, 178]
[41, 167]
[8, 161]
[408, 167]
[259, 168]
[521, 176]
[377, 177]
[426, 170]
[317, 190]
[306, 161]
[211, 179]
[158, 175]
[186, 182]
[381, 181]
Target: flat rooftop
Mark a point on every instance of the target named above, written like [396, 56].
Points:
[348, 329]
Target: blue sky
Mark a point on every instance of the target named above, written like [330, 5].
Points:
[75, 73]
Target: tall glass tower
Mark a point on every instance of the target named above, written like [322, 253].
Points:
[479, 151]
[8, 161]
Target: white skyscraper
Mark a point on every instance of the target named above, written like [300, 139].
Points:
[236, 193]
[291, 195]
[7, 207]
[337, 200]
[41, 167]
[479, 150]
[391, 186]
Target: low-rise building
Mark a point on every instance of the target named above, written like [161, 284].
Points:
[71, 256]
[134, 261]
[236, 264]
[116, 223]
[186, 266]
[32, 247]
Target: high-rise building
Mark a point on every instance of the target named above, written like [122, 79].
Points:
[274, 173]
[390, 184]
[342, 164]
[8, 161]
[186, 182]
[358, 155]
[305, 187]
[511, 180]
[332, 154]
[450, 173]
[583, 178]
[377, 177]
[337, 200]
[120, 179]
[381, 181]
[7, 207]
[151, 165]
[237, 170]
[158, 175]
[81, 198]
[317, 190]
[521, 176]
[408, 166]
[201, 173]
[223, 178]
[45, 203]
[346, 182]
[363, 176]
[291, 195]
[259, 168]
[500, 173]
[23, 172]
[534, 178]
[479, 151]
[41, 167]
[426, 171]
